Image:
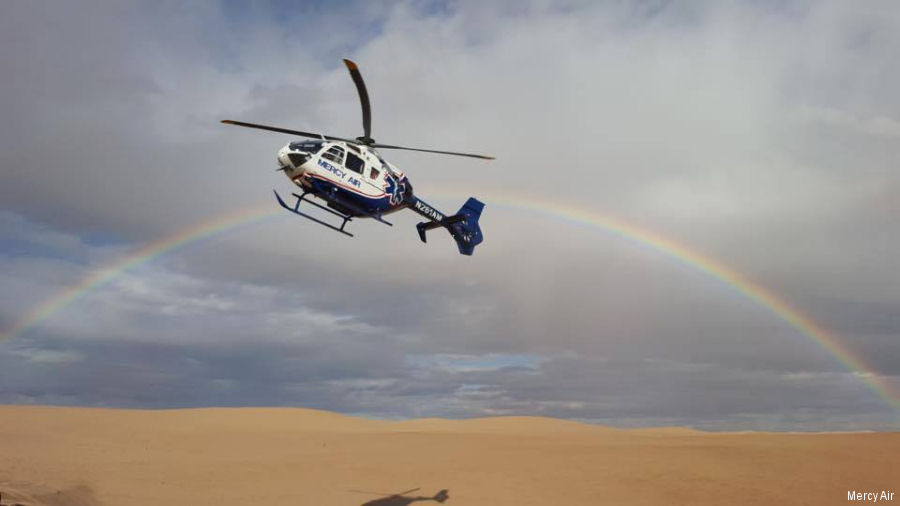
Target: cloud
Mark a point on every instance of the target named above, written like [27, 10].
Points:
[879, 126]
[47, 356]
[757, 134]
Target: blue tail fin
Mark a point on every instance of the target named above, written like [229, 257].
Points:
[463, 226]
[466, 231]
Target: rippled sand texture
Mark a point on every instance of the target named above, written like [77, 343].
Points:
[198, 457]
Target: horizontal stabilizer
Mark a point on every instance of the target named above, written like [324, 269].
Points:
[463, 226]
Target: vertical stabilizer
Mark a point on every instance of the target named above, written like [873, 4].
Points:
[463, 225]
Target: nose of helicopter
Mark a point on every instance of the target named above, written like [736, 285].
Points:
[291, 162]
[283, 161]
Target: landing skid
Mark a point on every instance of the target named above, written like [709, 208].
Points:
[344, 217]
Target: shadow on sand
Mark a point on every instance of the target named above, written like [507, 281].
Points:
[403, 500]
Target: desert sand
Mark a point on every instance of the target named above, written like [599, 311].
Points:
[197, 457]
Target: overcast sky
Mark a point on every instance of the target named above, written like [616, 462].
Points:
[764, 135]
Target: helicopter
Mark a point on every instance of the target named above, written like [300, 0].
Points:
[401, 499]
[354, 181]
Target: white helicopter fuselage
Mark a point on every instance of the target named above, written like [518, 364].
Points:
[351, 171]
[354, 181]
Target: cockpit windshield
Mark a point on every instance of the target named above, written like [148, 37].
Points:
[307, 146]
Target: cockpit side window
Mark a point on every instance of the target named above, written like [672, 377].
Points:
[335, 154]
[354, 163]
[373, 173]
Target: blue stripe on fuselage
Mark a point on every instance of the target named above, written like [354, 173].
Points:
[373, 205]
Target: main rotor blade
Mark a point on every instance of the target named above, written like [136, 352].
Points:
[369, 492]
[285, 130]
[333, 138]
[363, 98]
[470, 155]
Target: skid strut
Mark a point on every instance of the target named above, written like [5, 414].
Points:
[296, 210]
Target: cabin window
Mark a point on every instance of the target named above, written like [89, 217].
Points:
[373, 173]
[335, 154]
[354, 163]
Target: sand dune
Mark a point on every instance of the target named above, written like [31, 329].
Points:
[87, 457]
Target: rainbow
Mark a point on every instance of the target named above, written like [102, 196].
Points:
[100, 277]
[614, 226]
[740, 283]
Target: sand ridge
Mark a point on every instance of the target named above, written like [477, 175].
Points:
[285, 456]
